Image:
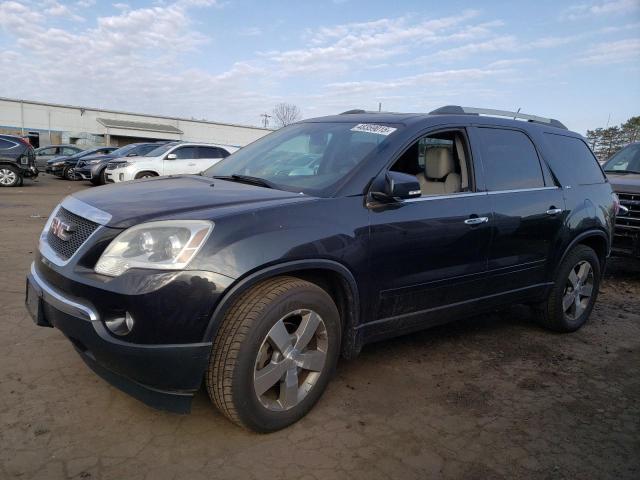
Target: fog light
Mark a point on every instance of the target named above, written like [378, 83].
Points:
[120, 325]
[121, 176]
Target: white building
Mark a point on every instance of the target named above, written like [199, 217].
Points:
[49, 123]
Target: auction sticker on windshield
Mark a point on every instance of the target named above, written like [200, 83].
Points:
[373, 128]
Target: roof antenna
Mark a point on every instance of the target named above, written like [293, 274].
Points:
[517, 112]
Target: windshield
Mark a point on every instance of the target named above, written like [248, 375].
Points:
[626, 160]
[124, 151]
[306, 157]
[156, 152]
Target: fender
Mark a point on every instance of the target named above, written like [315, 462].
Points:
[350, 345]
[578, 239]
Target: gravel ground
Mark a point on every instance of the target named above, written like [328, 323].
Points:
[485, 398]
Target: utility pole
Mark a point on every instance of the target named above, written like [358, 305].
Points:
[379, 106]
[265, 119]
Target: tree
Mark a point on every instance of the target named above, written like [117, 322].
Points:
[286, 113]
[606, 141]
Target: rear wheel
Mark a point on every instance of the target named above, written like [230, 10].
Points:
[575, 291]
[9, 176]
[274, 354]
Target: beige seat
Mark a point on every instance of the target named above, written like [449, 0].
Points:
[440, 175]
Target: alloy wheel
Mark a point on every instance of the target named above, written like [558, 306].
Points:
[290, 360]
[7, 177]
[578, 290]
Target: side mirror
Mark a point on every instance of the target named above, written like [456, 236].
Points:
[397, 186]
[171, 156]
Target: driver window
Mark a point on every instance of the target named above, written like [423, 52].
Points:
[440, 162]
[185, 153]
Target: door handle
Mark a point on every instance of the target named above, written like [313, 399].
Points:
[554, 211]
[476, 220]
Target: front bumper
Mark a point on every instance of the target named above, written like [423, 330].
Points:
[57, 171]
[164, 376]
[117, 175]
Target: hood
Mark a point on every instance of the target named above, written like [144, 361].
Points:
[130, 203]
[108, 156]
[624, 182]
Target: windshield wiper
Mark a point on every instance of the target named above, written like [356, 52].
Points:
[261, 182]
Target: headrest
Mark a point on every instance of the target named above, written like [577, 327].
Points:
[438, 162]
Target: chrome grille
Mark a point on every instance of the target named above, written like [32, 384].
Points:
[629, 224]
[82, 229]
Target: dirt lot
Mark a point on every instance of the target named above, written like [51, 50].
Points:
[485, 398]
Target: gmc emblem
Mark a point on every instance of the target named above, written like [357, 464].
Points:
[61, 230]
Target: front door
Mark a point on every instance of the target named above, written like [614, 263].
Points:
[430, 253]
[184, 163]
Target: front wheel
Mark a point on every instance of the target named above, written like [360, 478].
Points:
[574, 293]
[274, 354]
[9, 176]
[69, 173]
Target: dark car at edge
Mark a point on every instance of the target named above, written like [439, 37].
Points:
[64, 167]
[17, 161]
[623, 171]
[328, 234]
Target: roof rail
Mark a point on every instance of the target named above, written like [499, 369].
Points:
[458, 110]
[350, 112]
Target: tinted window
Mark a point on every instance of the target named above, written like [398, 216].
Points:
[69, 151]
[156, 152]
[510, 160]
[212, 152]
[47, 151]
[626, 160]
[572, 161]
[144, 149]
[185, 152]
[6, 144]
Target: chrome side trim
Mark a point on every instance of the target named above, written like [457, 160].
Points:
[441, 197]
[59, 301]
[85, 210]
[498, 192]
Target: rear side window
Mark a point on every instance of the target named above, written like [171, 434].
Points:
[572, 161]
[212, 152]
[510, 160]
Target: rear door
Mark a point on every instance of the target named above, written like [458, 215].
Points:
[527, 205]
[208, 156]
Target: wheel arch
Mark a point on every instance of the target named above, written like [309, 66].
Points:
[332, 276]
[595, 239]
[136, 176]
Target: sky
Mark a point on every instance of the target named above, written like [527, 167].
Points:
[231, 60]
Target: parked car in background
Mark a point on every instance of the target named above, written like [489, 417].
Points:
[17, 161]
[63, 167]
[44, 154]
[623, 171]
[173, 158]
[92, 167]
[256, 279]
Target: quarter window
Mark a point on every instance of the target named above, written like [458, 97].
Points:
[510, 160]
[572, 161]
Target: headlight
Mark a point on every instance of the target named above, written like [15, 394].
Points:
[165, 245]
[123, 164]
[93, 162]
[57, 164]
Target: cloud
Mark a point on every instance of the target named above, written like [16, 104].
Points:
[598, 9]
[620, 51]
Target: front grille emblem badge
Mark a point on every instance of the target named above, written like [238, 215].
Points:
[61, 229]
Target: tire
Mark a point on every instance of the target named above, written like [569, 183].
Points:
[10, 176]
[140, 175]
[270, 314]
[100, 179]
[561, 312]
[69, 174]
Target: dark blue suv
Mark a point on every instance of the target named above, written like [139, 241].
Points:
[327, 234]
